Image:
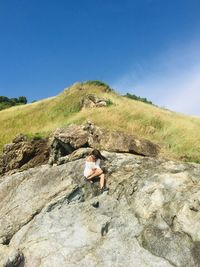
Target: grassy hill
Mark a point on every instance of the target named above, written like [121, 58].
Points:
[176, 134]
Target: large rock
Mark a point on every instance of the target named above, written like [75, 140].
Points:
[77, 154]
[117, 141]
[23, 154]
[24, 195]
[85, 236]
[66, 140]
[150, 217]
[91, 101]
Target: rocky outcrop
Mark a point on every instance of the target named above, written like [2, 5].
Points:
[92, 101]
[117, 141]
[149, 217]
[66, 140]
[23, 154]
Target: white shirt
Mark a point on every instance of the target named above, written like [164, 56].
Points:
[89, 165]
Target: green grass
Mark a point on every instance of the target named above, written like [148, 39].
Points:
[176, 134]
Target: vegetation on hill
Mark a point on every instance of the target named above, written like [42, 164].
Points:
[176, 134]
[99, 83]
[6, 102]
[142, 99]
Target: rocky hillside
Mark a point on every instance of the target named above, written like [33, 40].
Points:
[49, 216]
[177, 135]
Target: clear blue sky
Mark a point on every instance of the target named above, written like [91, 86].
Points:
[146, 47]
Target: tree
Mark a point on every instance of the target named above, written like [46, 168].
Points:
[6, 102]
[4, 99]
[22, 99]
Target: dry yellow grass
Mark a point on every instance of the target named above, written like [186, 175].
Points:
[177, 135]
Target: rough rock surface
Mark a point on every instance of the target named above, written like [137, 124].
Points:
[66, 140]
[92, 101]
[10, 257]
[23, 154]
[149, 217]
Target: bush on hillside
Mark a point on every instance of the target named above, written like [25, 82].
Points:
[99, 83]
[6, 102]
[22, 99]
[4, 105]
[138, 98]
[109, 102]
[35, 136]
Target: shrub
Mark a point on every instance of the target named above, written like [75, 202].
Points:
[99, 83]
[35, 136]
[6, 102]
[22, 99]
[109, 102]
[138, 98]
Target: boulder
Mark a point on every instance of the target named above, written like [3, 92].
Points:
[149, 217]
[73, 135]
[117, 141]
[67, 140]
[91, 101]
[23, 153]
[77, 154]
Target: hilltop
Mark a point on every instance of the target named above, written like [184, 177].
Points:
[176, 134]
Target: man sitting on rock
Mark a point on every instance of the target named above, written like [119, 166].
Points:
[92, 169]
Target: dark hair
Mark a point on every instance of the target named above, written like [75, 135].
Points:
[97, 154]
